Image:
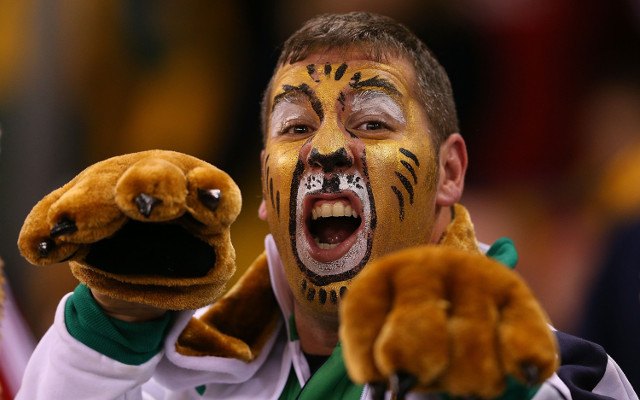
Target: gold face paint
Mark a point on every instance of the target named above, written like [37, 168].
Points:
[349, 171]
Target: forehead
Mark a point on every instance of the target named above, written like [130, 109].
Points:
[333, 71]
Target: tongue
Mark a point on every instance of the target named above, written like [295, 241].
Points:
[335, 230]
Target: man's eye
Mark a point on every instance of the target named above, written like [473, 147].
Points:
[372, 126]
[297, 129]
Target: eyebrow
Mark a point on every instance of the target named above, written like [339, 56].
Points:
[293, 93]
[375, 82]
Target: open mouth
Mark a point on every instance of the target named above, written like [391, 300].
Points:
[159, 249]
[331, 224]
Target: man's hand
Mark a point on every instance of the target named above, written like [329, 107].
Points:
[126, 310]
[442, 320]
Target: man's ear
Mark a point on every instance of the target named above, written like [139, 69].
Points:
[452, 169]
[262, 209]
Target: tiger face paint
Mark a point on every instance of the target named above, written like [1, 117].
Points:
[349, 170]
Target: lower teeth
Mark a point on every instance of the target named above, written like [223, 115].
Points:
[326, 246]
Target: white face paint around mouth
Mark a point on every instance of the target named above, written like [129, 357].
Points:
[348, 194]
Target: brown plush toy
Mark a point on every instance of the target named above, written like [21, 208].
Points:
[151, 227]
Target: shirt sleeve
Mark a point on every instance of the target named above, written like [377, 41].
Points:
[588, 373]
[74, 365]
[131, 343]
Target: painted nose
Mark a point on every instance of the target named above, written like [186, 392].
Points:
[339, 160]
[330, 149]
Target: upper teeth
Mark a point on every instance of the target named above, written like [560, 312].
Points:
[337, 209]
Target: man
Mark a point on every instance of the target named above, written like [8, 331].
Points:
[362, 158]
[350, 148]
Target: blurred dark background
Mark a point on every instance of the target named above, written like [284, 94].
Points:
[548, 93]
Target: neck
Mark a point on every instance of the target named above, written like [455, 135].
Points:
[318, 333]
[442, 219]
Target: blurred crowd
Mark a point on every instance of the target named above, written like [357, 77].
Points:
[548, 93]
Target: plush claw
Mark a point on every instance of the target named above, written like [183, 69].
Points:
[401, 383]
[210, 198]
[378, 390]
[146, 204]
[64, 227]
[531, 374]
[45, 247]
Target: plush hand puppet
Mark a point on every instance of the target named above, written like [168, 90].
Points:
[457, 323]
[150, 227]
[446, 319]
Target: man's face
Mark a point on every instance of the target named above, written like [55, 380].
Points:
[349, 170]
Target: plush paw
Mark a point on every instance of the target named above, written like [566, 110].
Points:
[151, 227]
[438, 319]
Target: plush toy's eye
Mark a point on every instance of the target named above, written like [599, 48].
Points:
[45, 247]
[63, 227]
[210, 198]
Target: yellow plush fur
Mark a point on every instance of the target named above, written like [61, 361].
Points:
[143, 194]
[460, 233]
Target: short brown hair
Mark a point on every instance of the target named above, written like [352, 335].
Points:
[381, 38]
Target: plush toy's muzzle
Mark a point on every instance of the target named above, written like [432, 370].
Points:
[151, 227]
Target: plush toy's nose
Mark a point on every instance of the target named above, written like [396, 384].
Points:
[146, 204]
[152, 190]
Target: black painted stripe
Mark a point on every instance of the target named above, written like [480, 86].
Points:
[341, 99]
[376, 81]
[267, 177]
[289, 88]
[322, 296]
[340, 71]
[311, 70]
[410, 155]
[407, 185]
[411, 170]
[400, 201]
[316, 105]
[306, 90]
[271, 191]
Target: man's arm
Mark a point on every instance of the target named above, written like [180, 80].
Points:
[86, 353]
